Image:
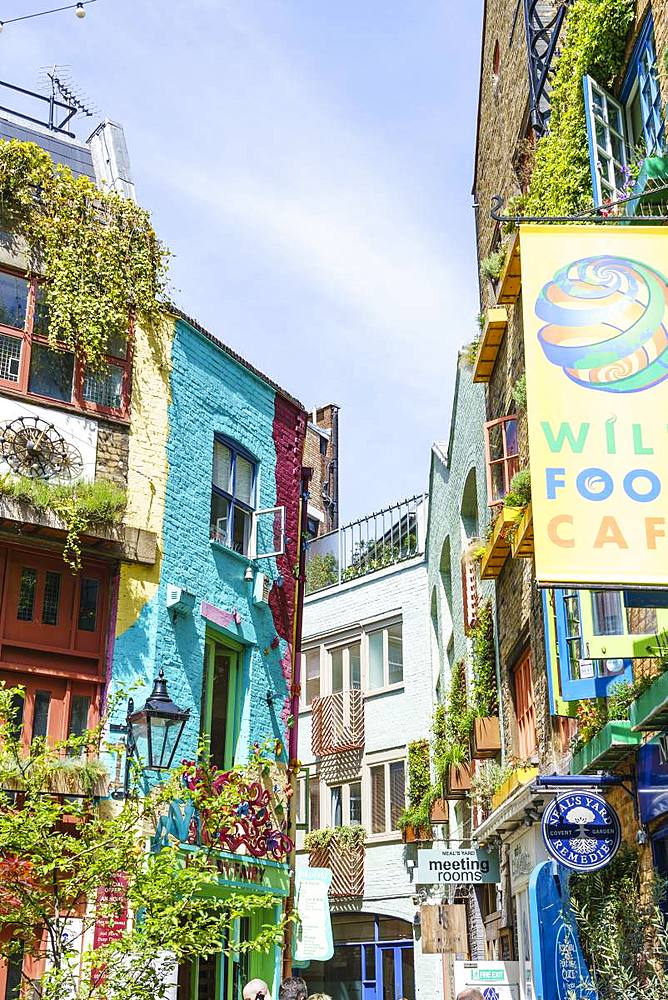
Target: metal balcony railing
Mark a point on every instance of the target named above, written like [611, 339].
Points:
[347, 866]
[337, 723]
[374, 542]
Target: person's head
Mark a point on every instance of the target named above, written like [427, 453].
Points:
[471, 993]
[293, 988]
[257, 989]
[319, 996]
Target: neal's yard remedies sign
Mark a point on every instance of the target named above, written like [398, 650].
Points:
[596, 349]
[457, 867]
[581, 831]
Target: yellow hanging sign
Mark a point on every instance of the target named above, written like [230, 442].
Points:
[595, 302]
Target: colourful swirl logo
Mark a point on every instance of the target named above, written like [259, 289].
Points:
[606, 323]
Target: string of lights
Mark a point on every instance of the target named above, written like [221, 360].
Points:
[78, 8]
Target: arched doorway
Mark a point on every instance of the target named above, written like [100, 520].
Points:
[373, 960]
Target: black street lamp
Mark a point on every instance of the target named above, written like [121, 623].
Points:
[154, 731]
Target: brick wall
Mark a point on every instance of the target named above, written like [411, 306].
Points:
[324, 465]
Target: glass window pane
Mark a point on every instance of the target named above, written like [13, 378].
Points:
[10, 358]
[222, 467]
[336, 659]
[18, 706]
[88, 604]
[498, 481]
[117, 346]
[51, 598]
[376, 665]
[408, 974]
[355, 790]
[13, 300]
[389, 985]
[243, 484]
[352, 927]
[394, 929]
[378, 799]
[396, 662]
[312, 675]
[41, 321]
[220, 700]
[14, 975]
[27, 586]
[607, 612]
[220, 513]
[397, 793]
[314, 803]
[40, 720]
[241, 530]
[495, 438]
[79, 709]
[104, 388]
[370, 961]
[512, 445]
[51, 373]
[337, 805]
[355, 667]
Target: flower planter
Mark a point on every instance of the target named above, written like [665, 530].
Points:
[614, 742]
[498, 547]
[490, 341]
[458, 781]
[510, 280]
[522, 540]
[522, 776]
[486, 738]
[650, 710]
[439, 811]
[416, 834]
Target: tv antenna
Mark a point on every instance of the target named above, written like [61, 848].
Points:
[65, 97]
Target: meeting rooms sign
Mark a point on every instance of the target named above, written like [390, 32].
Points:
[457, 867]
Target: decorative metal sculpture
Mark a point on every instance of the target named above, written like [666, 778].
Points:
[32, 447]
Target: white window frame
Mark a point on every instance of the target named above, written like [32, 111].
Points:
[604, 177]
[344, 647]
[304, 704]
[367, 810]
[252, 548]
[345, 801]
[383, 627]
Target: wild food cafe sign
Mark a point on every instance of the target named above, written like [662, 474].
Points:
[596, 349]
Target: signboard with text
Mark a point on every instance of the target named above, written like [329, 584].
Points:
[494, 980]
[581, 831]
[314, 941]
[457, 867]
[596, 349]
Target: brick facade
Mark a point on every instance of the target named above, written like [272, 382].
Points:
[321, 455]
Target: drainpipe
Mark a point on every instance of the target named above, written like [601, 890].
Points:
[335, 467]
[295, 691]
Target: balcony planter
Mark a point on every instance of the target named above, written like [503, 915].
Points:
[486, 738]
[650, 710]
[416, 834]
[522, 538]
[458, 781]
[439, 811]
[510, 281]
[490, 342]
[614, 742]
[522, 776]
[498, 547]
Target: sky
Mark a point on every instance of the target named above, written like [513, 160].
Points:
[309, 164]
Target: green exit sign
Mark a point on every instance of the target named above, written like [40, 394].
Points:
[488, 975]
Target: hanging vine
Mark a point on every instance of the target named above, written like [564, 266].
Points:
[101, 262]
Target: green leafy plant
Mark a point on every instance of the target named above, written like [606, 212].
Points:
[452, 726]
[61, 850]
[101, 263]
[594, 714]
[520, 392]
[81, 506]
[519, 494]
[621, 929]
[484, 696]
[321, 571]
[594, 36]
[487, 780]
[515, 206]
[469, 353]
[481, 319]
[491, 266]
[421, 794]
[345, 837]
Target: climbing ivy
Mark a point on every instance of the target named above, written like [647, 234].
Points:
[593, 43]
[101, 262]
[484, 693]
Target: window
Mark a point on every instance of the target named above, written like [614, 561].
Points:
[388, 795]
[218, 717]
[314, 803]
[627, 129]
[607, 612]
[336, 813]
[26, 603]
[40, 719]
[51, 598]
[502, 451]
[524, 708]
[30, 365]
[386, 665]
[79, 709]
[312, 672]
[346, 804]
[346, 669]
[232, 497]
[88, 592]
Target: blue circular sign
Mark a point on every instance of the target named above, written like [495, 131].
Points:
[581, 831]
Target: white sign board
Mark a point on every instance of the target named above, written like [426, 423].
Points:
[457, 867]
[495, 980]
[313, 938]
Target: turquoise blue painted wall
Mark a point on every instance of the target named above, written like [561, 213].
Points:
[210, 393]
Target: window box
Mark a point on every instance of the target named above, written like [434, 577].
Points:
[510, 281]
[614, 742]
[490, 341]
[522, 776]
[417, 834]
[486, 737]
[458, 781]
[498, 547]
[522, 540]
[439, 811]
[650, 711]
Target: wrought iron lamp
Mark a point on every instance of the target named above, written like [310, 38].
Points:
[154, 731]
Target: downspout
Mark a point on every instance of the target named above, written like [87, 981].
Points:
[295, 692]
[335, 467]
